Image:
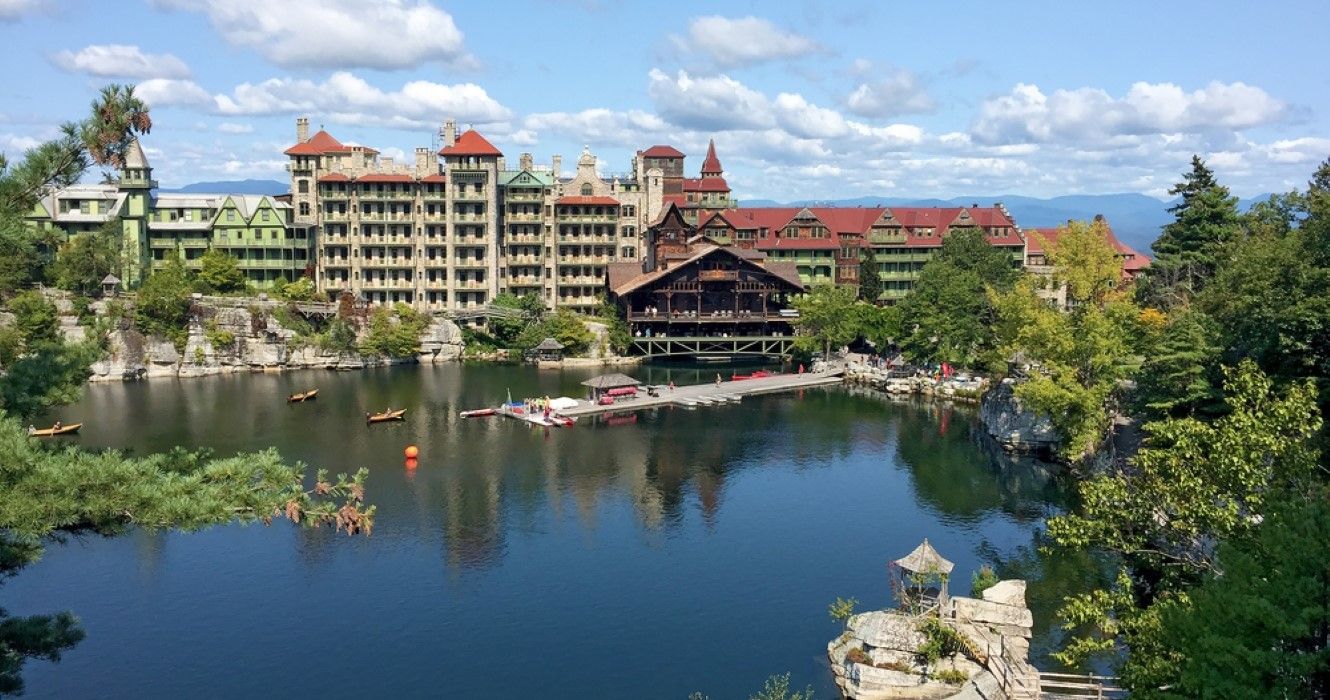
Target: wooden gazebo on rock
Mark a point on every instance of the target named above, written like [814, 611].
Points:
[921, 579]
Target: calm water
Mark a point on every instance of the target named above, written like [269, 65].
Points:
[677, 551]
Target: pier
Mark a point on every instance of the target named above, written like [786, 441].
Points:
[708, 394]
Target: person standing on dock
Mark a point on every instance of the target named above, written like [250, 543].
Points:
[718, 379]
[671, 385]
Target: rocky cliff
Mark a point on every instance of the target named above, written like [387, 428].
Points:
[256, 343]
[1014, 426]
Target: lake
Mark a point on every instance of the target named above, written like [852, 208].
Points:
[641, 556]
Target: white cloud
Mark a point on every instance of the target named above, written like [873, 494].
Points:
[1026, 114]
[894, 92]
[343, 98]
[384, 35]
[13, 10]
[716, 103]
[1300, 150]
[599, 126]
[802, 118]
[120, 61]
[234, 128]
[14, 145]
[743, 41]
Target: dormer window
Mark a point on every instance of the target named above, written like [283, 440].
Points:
[586, 189]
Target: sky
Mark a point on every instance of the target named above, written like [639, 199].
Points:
[805, 100]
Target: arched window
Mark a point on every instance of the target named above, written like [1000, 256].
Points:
[586, 189]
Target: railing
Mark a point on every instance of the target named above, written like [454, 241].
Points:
[1077, 686]
[706, 317]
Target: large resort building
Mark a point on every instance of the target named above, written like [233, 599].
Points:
[454, 227]
[257, 230]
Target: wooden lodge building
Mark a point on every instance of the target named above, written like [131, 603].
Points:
[693, 294]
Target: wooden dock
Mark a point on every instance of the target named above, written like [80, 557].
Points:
[710, 394]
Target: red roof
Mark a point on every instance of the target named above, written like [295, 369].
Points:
[604, 201]
[659, 151]
[677, 200]
[705, 184]
[318, 144]
[470, 143]
[434, 177]
[712, 163]
[1041, 240]
[334, 177]
[385, 177]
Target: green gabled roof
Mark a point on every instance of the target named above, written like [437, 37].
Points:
[509, 178]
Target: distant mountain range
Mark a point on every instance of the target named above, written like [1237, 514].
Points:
[234, 187]
[1136, 218]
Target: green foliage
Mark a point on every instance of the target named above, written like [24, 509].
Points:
[564, 326]
[879, 325]
[827, 318]
[842, 609]
[778, 688]
[393, 333]
[505, 331]
[339, 337]
[1260, 628]
[951, 676]
[35, 318]
[1188, 251]
[83, 311]
[161, 306]
[870, 278]
[43, 637]
[948, 317]
[289, 318]
[302, 289]
[88, 258]
[1180, 374]
[940, 641]
[983, 579]
[1079, 355]
[219, 273]
[218, 337]
[20, 264]
[1195, 483]
[616, 328]
[46, 375]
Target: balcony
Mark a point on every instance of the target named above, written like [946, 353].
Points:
[717, 275]
[379, 196]
[478, 285]
[470, 218]
[388, 284]
[523, 197]
[381, 263]
[470, 195]
[525, 281]
[404, 217]
[335, 216]
[714, 316]
[576, 260]
[525, 238]
[523, 260]
[523, 217]
[470, 263]
[586, 281]
[588, 239]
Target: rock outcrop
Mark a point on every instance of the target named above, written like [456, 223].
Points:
[1014, 426]
[877, 657]
[236, 339]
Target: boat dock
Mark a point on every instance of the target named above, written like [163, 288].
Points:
[694, 395]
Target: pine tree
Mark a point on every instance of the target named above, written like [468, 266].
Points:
[1179, 375]
[870, 278]
[1187, 251]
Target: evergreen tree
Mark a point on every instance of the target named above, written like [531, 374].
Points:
[870, 277]
[83, 262]
[1187, 251]
[1178, 377]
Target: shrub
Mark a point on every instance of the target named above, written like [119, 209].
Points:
[162, 305]
[895, 666]
[940, 641]
[339, 338]
[83, 311]
[984, 579]
[951, 676]
[218, 338]
[290, 319]
[858, 656]
[394, 333]
[841, 609]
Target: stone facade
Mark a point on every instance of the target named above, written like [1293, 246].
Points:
[455, 228]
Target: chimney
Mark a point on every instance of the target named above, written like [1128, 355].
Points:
[524, 161]
[386, 164]
[449, 133]
[558, 165]
[302, 129]
[499, 163]
[422, 162]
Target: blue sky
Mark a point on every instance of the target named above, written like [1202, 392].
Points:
[804, 99]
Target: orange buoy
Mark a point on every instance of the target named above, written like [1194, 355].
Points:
[412, 452]
[411, 462]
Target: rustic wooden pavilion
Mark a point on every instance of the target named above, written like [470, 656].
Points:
[697, 295]
[606, 383]
[550, 350]
[927, 573]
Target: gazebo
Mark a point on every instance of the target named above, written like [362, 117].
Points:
[110, 285]
[549, 349]
[611, 385]
[923, 576]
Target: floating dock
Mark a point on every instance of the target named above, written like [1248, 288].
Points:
[710, 394]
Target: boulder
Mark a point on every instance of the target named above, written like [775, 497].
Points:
[1008, 592]
[1011, 424]
[985, 612]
